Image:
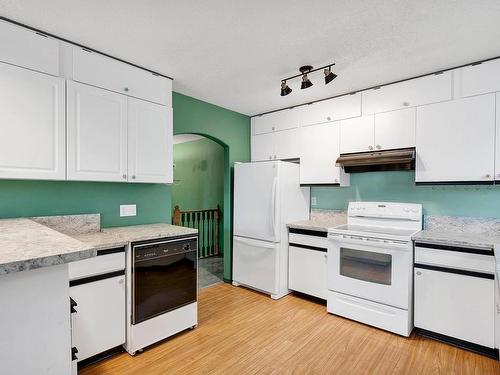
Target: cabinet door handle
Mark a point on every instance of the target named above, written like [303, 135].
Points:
[378, 147]
[275, 156]
[329, 118]
[406, 104]
[419, 273]
[126, 89]
[124, 176]
[370, 148]
[487, 175]
[133, 177]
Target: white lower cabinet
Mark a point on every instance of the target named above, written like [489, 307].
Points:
[149, 142]
[97, 134]
[99, 320]
[307, 264]
[319, 150]
[455, 140]
[32, 125]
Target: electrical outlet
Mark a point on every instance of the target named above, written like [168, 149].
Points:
[313, 201]
[128, 210]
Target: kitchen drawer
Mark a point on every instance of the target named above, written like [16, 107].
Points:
[307, 269]
[310, 240]
[414, 92]
[28, 49]
[480, 78]
[101, 71]
[455, 257]
[106, 261]
[455, 305]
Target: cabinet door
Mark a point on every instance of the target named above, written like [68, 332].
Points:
[102, 71]
[480, 79]
[307, 271]
[319, 150]
[395, 129]
[26, 48]
[497, 144]
[287, 144]
[97, 134]
[455, 305]
[430, 89]
[99, 323]
[149, 142]
[32, 125]
[456, 140]
[357, 134]
[339, 108]
[281, 120]
[262, 147]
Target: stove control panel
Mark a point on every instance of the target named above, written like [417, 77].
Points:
[389, 210]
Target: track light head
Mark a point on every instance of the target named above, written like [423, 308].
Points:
[285, 89]
[329, 75]
[306, 83]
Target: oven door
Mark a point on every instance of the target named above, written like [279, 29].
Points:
[373, 269]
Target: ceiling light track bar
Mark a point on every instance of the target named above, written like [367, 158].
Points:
[379, 86]
[307, 72]
[43, 33]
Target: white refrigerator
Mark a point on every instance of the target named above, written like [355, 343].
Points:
[267, 196]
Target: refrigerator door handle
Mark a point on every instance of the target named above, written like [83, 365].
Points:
[273, 205]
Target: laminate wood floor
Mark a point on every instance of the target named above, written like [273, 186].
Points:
[244, 332]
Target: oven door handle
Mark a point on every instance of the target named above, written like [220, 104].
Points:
[368, 242]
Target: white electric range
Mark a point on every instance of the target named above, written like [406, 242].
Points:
[370, 262]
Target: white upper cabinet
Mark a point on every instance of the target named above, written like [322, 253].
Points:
[357, 134]
[320, 148]
[149, 142]
[101, 71]
[32, 125]
[276, 121]
[456, 140]
[497, 144]
[97, 134]
[415, 92]
[28, 49]
[395, 129]
[262, 147]
[479, 79]
[287, 144]
[339, 108]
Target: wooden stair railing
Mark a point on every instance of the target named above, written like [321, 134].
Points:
[207, 222]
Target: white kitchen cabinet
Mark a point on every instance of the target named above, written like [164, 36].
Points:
[319, 150]
[480, 78]
[101, 71]
[338, 108]
[149, 142]
[357, 134]
[497, 144]
[97, 134]
[262, 147]
[28, 49]
[395, 129]
[415, 92]
[454, 305]
[276, 121]
[287, 144]
[99, 321]
[455, 140]
[32, 144]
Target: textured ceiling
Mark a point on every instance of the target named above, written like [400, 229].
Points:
[233, 53]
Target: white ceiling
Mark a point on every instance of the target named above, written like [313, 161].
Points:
[235, 52]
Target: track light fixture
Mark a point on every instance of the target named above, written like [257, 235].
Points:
[285, 89]
[306, 82]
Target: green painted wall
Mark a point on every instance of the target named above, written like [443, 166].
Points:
[228, 128]
[474, 200]
[38, 198]
[198, 175]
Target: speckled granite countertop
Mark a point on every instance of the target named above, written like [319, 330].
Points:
[121, 236]
[318, 224]
[477, 240]
[25, 245]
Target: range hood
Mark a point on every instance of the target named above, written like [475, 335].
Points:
[390, 160]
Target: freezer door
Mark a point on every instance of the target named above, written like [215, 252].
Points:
[255, 264]
[256, 203]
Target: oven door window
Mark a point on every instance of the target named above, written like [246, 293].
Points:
[366, 265]
[163, 284]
